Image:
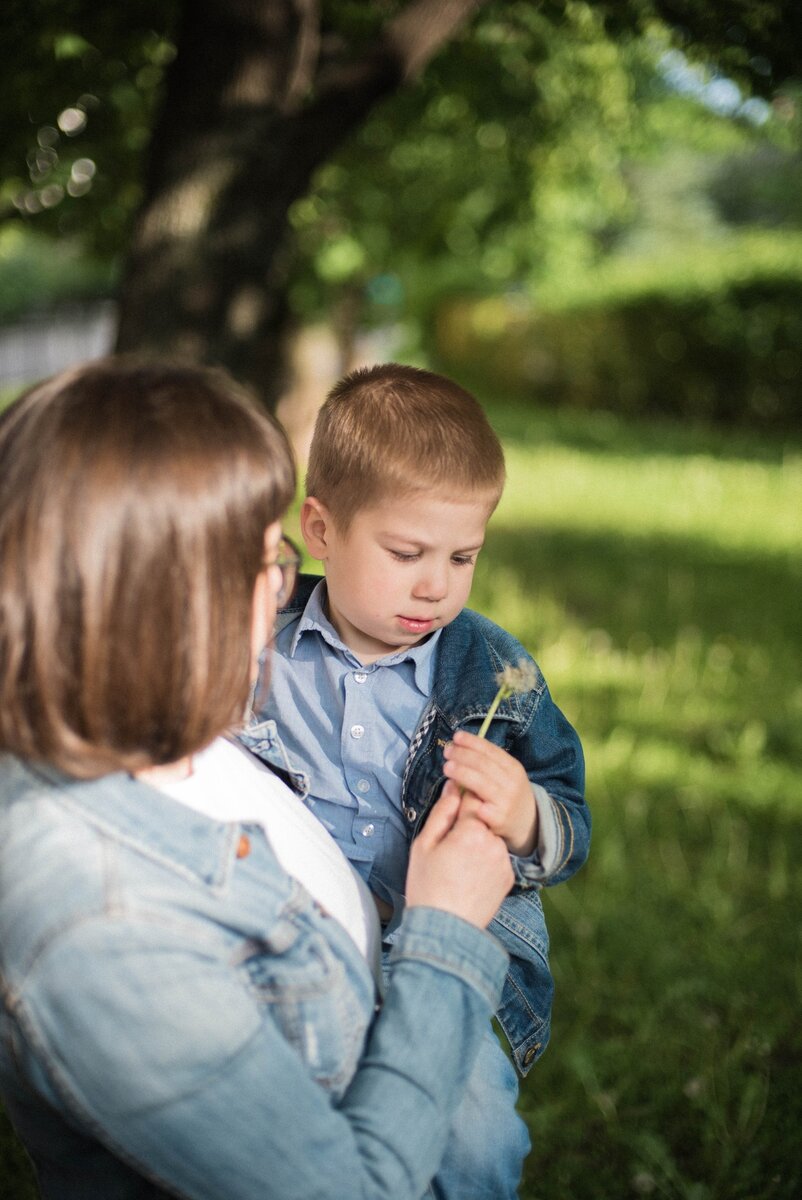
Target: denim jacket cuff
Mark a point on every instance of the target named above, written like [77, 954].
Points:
[543, 862]
[451, 944]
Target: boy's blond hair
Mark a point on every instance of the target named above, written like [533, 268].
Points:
[392, 430]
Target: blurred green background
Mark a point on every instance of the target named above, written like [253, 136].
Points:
[601, 234]
[657, 577]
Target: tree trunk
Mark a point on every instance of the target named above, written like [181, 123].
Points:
[257, 98]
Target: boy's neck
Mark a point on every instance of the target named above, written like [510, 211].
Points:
[350, 640]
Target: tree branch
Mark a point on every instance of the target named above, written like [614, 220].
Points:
[306, 57]
[401, 50]
[420, 29]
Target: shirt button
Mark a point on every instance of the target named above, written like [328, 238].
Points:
[363, 785]
[360, 676]
[357, 731]
[369, 831]
[410, 814]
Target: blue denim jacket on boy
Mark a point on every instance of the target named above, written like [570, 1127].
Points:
[471, 651]
[179, 1018]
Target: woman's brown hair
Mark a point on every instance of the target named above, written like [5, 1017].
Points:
[133, 503]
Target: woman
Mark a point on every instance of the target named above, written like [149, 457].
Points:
[181, 1014]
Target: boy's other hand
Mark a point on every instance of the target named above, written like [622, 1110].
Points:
[502, 794]
[457, 864]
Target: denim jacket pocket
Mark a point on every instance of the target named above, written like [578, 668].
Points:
[313, 999]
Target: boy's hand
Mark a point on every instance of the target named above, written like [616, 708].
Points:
[503, 796]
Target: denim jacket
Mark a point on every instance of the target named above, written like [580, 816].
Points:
[179, 1018]
[471, 651]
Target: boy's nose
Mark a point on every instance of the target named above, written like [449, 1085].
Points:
[432, 585]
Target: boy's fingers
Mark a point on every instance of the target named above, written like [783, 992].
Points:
[473, 778]
[469, 743]
[498, 770]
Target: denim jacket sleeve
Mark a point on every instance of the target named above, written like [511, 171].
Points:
[222, 1104]
[551, 754]
[528, 726]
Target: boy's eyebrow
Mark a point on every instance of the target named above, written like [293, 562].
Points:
[419, 543]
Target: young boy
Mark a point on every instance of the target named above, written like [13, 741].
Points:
[390, 678]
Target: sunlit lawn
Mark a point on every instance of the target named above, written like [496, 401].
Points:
[655, 573]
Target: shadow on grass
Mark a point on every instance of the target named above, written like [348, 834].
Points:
[656, 586]
[599, 432]
[675, 1063]
[675, 1067]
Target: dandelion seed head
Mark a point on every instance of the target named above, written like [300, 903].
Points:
[522, 678]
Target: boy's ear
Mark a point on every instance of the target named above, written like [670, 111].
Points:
[316, 525]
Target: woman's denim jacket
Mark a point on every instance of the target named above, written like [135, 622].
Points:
[472, 650]
[172, 1002]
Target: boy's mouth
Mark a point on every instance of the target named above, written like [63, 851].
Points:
[415, 625]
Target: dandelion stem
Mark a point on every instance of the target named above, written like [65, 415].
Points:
[491, 712]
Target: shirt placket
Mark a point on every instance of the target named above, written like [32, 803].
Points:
[356, 747]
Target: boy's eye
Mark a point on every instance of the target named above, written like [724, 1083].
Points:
[463, 560]
[400, 556]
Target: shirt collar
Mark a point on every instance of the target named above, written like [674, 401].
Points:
[314, 620]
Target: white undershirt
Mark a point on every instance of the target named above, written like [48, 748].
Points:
[229, 784]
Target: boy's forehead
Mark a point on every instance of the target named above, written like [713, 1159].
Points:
[444, 493]
[429, 509]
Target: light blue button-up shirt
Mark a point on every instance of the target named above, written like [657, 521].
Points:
[349, 725]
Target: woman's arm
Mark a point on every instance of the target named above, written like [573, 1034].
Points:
[170, 1062]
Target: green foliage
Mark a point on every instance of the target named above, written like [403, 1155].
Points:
[757, 44]
[79, 89]
[35, 273]
[763, 188]
[546, 167]
[714, 332]
[654, 572]
[479, 174]
[690, 309]
[541, 141]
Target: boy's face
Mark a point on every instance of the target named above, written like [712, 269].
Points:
[403, 568]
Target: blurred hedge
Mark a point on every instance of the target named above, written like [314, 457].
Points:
[718, 338]
[38, 273]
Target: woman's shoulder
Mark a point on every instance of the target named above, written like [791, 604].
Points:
[52, 864]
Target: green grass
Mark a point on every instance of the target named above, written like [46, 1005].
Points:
[655, 571]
